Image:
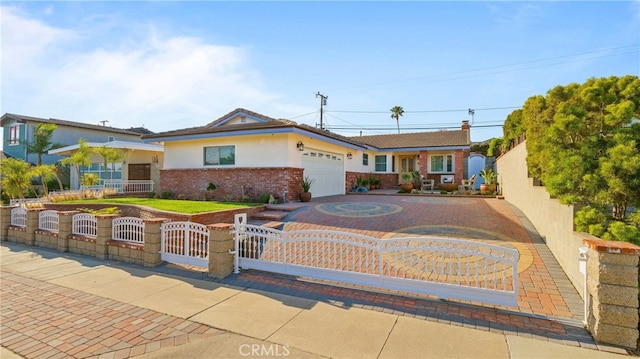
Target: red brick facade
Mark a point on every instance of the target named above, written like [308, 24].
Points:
[387, 180]
[232, 183]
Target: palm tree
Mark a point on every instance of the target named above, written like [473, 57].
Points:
[47, 173]
[42, 140]
[82, 157]
[396, 112]
[42, 144]
[16, 177]
[109, 155]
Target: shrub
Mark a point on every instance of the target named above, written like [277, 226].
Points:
[166, 194]
[107, 210]
[264, 197]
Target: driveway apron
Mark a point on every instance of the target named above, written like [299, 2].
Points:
[543, 287]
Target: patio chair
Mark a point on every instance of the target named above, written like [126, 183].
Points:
[426, 183]
[467, 186]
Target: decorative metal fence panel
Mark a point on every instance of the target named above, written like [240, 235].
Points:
[84, 224]
[130, 229]
[49, 220]
[19, 217]
[443, 267]
[185, 243]
[129, 186]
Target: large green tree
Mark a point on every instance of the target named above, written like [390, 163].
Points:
[582, 143]
[512, 129]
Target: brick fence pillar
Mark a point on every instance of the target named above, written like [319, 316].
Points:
[220, 242]
[104, 234]
[33, 222]
[152, 238]
[65, 226]
[612, 282]
[5, 221]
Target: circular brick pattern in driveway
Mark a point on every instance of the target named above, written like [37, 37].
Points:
[440, 200]
[474, 234]
[358, 209]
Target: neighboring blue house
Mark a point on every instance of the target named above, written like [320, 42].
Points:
[142, 165]
[18, 131]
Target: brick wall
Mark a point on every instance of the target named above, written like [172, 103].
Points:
[459, 161]
[232, 183]
[387, 180]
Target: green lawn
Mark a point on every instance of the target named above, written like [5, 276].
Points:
[180, 206]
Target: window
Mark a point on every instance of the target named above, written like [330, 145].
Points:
[381, 163]
[110, 138]
[14, 135]
[365, 159]
[113, 170]
[219, 155]
[393, 163]
[441, 164]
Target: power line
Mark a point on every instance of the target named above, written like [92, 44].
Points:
[432, 111]
[445, 76]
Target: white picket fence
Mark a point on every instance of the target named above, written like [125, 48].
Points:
[443, 267]
[129, 186]
[19, 217]
[84, 224]
[129, 229]
[49, 220]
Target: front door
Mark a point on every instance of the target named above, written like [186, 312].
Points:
[139, 171]
[407, 165]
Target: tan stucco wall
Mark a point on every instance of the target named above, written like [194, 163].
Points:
[553, 220]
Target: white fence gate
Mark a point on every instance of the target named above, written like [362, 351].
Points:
[444, 267]
[185, 243]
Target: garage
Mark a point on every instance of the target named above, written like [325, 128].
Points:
[327, 169]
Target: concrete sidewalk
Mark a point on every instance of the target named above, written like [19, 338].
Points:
[56, 305]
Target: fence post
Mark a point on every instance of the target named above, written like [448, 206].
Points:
[5, 221]
[103, 234]
[65, 226]
[220, 243]
[33, 222]
[152, 238]
[612, 284]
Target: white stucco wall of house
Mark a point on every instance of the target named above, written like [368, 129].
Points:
[274, 150]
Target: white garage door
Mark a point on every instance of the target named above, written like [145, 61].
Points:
[327, 169]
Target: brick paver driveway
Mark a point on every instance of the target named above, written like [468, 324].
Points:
[543, 287]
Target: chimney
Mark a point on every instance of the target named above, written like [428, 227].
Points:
[465, 125]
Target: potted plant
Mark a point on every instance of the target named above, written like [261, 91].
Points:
[490, 181]
[407, 182]
[305, 195]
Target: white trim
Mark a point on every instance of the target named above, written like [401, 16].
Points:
[138, 146]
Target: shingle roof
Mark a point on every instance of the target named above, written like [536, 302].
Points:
[132, 131]
[417, 139]
[407, 140]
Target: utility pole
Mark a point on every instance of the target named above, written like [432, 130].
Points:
[472, 112]
[323, 102]
[104, 123]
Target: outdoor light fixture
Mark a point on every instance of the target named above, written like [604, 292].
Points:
[349, 155]
[300, 146]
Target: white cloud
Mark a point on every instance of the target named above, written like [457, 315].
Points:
[159, 81]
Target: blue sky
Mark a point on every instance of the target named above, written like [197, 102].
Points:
[170, 65]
